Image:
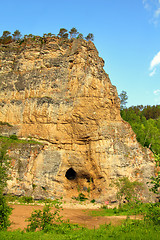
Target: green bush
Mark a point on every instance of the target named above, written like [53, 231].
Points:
[5, 123]
[152, 214]
[5, 211]
[81, 197]
[47, 221]
[127, 190]
[14, 137]
[26, 199]
[40, 220]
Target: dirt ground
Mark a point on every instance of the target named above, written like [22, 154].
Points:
[76, 215]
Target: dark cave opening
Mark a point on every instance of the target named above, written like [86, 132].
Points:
[71, 174]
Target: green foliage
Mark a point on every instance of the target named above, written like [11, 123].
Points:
[6, 37]
[5, 210]
[46, 221]
[48, 35]
[5, 123]
[127, 190]
[40, 220]
[73, 32]
[4, 166]
[155, 181]
[157, 159]
[80, 36]
[17, 35]
[11, 198]
[151, 111]
[130, 229]
[90, 37]
[81, 197]
[26, 199]
[63, 33]
[152, 215]
[123, 97]
[147, 129]
[130, 208]
[14, 137]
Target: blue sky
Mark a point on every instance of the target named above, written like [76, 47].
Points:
[127, 36]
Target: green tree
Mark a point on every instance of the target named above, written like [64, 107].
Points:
[127, 190]
[155, 181]
[151, 111]
[6, 37]
[80, 36]
[90, 37]
[123, 97]
[73, 33]
[6, 34]
[17, 35]
[48, 35]
[5, 210]
[147, 131]
[63, 33]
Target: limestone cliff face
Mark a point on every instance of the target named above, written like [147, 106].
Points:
[58, 92]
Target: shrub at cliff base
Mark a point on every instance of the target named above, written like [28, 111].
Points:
[5, 210]
[47, 221]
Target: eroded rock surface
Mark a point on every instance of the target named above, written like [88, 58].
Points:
[58, 92]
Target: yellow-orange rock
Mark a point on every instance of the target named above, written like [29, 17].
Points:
[58, 92]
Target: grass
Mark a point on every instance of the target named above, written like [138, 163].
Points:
[137, 230]
[5, 123]
[130, 229]
[127, 209]
[26, 200]
[13, 140]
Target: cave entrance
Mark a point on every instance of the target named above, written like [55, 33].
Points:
[70, 174]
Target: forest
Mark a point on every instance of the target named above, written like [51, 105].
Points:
[145, 122]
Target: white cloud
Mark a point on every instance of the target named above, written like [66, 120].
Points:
[157, 92]
[153, 7]
[146, 4]
[157, 96]
[154, 63]
[153, 72]
[157, 13]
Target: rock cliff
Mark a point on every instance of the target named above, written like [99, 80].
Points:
[58, 92]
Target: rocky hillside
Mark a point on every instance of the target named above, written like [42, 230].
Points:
[58, 92]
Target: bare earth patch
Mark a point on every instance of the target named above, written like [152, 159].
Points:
[75, 213]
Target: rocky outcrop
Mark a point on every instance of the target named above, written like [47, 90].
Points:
[59, 93]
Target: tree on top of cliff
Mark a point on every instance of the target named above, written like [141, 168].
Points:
[48, 35]
[73, 32]
[16, 35]
[90, 37]
[80, 36]
[63, 33]
[6, 37]
[28, 36]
